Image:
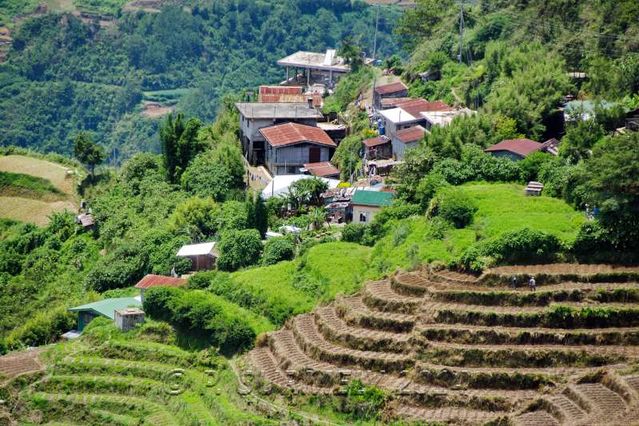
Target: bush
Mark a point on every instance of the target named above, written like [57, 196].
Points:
[239, 249]
[276, 250]
[201, 318]
[363, 402]
[454, 206]
[353, 233]
[428, 187]
[531, 165]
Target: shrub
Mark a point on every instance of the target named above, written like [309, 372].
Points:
[531, 165]
[428, 187]
[157, 300]
[363, 402]
[278, 249]
[455, 206]
[353, 233]
[239, 249]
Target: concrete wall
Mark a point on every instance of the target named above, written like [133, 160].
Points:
[364, 214]
[400, 148]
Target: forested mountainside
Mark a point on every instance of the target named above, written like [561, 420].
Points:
[65, 73]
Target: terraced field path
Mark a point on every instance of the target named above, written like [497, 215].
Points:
[458, 349]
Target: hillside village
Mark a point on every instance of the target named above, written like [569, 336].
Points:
[445, 235]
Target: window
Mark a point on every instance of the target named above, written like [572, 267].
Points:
[363, 217]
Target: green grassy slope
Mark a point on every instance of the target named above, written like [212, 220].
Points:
[501, 208]
[27, 186]
[290, 288]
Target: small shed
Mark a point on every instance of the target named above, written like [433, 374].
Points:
[86, 220]
[103, 308]
[202, 255]
[366, 204]
[126, 319]
[151, 280]
[378, 147]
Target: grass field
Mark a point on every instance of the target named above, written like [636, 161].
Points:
[27, 186]
[289, 288]
[32, 189]
[501, 208]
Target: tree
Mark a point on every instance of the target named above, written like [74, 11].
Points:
[239, 249]
[88, 152]
[352, 54]
[217, 174]
[258, 213]
[307, 191]
[611, 183]
[196, 217]
[277, 250]
[579, 140]
[180, 144]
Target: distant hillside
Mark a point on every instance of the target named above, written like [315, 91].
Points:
[69, 72]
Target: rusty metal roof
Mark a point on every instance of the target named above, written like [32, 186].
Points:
[293, 133]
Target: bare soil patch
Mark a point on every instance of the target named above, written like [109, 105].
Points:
[156, 110]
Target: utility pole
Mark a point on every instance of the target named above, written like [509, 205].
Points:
[461, 32]
[375, 38]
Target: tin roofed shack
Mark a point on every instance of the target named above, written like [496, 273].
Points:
[290, 146]
[203, 256]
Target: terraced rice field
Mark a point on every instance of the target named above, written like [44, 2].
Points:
[458, 349]
[125, 383]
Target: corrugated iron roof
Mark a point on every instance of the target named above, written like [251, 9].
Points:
[372, 198]
[521, 147]
[107, 307]
[388, 89]
[293, 133]
[376, 141]
[280, 90]
[151, 280]
[323, 169]
[196, 249]
[416, 106]
[412, 134]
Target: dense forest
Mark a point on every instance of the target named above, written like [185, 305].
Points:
[64, 75]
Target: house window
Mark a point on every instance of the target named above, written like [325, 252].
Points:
[363, 217]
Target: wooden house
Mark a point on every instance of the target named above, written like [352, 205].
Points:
[202, 256]
[514, 149]
[376, 148]
[406, 139]
[255, 116]
[389, 91]
[292, 145]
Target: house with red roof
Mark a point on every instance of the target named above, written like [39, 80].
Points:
[378, 148]
[515, 149]
[406, 139]
[290, 146]
[151, 281]
[389, 91]
[409, 113]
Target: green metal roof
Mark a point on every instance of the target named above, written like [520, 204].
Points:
[372, 198]
[106, 307]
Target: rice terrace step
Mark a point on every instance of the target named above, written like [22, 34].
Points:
[454, 348]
